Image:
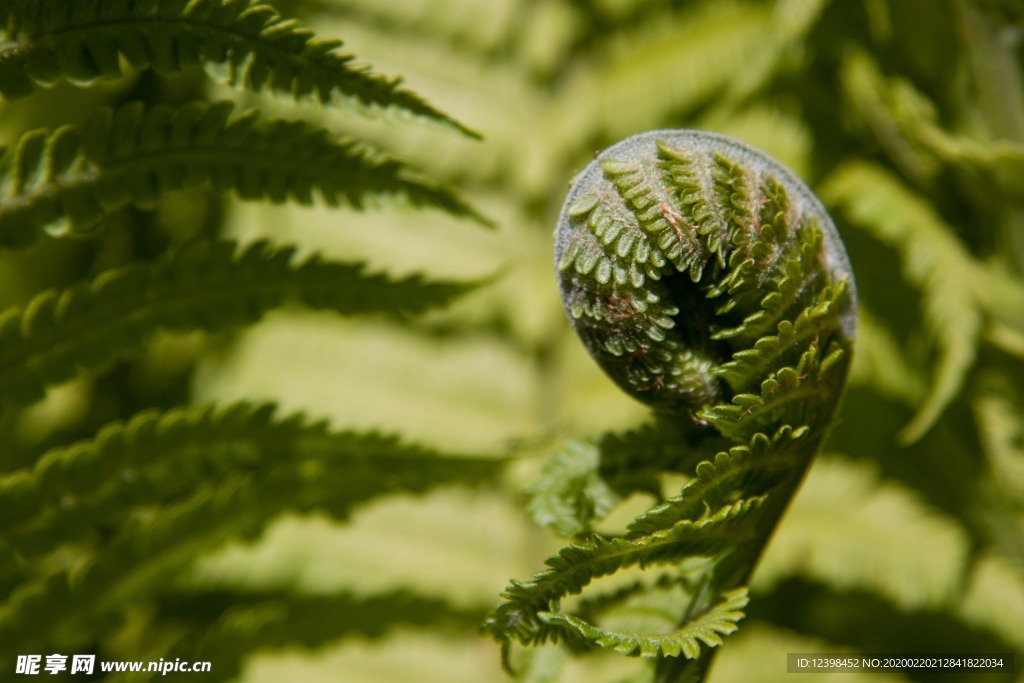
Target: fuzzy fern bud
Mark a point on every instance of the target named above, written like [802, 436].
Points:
[683, 254]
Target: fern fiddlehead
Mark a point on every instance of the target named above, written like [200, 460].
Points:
[709, 283]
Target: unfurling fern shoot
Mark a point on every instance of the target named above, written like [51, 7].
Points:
[709, 282]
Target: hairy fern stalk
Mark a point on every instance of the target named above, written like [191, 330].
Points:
[708, 282]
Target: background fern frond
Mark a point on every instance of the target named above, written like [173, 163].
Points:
[792, 20]
[205, 286]
[137, 502]
[237, 626]
[994, 598]
[881, 363]
[905, 121]
[1001, 427]
[248, 42]
[896, 120]
[67, 181]
[74, 493]
[717, 40]
[933, 260]
[850, 529]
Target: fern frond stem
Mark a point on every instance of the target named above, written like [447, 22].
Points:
[736, 568]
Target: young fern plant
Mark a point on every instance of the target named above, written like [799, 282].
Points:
[97, 532]
[709, 283]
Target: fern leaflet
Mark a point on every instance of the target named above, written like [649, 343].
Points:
[244, 624]
[246, 41]
[525, 614]
[933, 260]
[571, 493]
[67, 181]
[995, 598]
[205, 286]
[840, 530]
[707, 628]
[751, 468]
[138, 502]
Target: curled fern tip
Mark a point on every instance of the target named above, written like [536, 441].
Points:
[709, 283]
[681, 252]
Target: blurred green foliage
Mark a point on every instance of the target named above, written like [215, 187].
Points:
[906, 116]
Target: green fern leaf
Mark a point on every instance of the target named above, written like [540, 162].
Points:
[933, 260]
[140, 500]
[841, 531]
[707, 628]
[905, 121]
[74, 493]
[246, 41]
[238, 625]
[570, 493]
[881, 364]
[716, 40]
[791, 340]
[749, 469]
[897, 114]
[994, 598]
[584, 480]
[633, 461]
[569, 572]
[791, 395]
[67, 181]
[1001, 428]
[204, 286]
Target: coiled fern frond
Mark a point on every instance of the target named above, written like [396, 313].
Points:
[709, 283]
